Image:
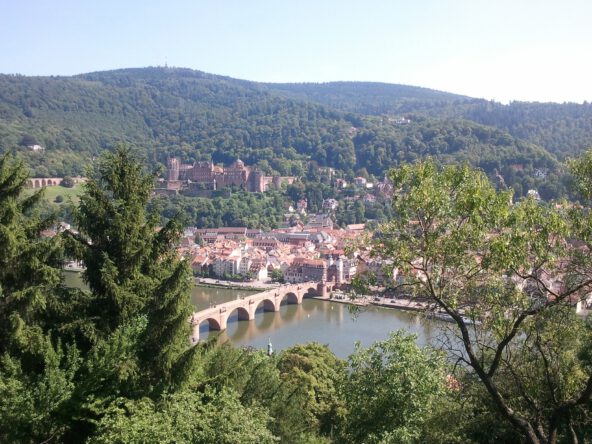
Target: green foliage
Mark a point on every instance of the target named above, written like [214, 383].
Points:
[562, 129]
[165, 353]
[465, 414]
[196, 116]
[28, 264]
[184, 417]
[315, 372]
[391, 390]
[131, 324]
[67, 182]
[489, 264]
[112, 368]
[28, 140]
[114, 240]
[117, 241]
[36, 369]
[367, 97]
[132, 267]
[32, 403]
[113, 363]
[242, 209]
[581, 168]
[299, 387]
[277, 275]
[381, 145]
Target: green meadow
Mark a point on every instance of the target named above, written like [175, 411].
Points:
[51, 192]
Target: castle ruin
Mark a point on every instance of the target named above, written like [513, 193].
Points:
[204, 174]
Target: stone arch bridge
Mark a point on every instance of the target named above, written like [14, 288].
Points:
[217, 316]
[40, 182]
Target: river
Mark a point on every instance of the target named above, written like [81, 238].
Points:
[326, 322]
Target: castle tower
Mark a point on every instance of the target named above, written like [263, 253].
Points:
[277, 182]
[256, 182]
[236, 174]
[173, 169]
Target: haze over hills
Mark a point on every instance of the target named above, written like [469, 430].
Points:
[350, 126]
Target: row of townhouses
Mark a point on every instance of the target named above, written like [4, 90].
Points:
[312, 255]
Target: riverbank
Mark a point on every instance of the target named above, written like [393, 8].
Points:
[415, 306]
[248, 286]
[358, 302]
[399, 303]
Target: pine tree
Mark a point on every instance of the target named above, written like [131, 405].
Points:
[132, 269]
[166, 358]
[116, 240]
[29, 264]
[37, 370]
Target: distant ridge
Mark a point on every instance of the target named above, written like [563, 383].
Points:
[363, 97]
[562, 128]
[354, 127]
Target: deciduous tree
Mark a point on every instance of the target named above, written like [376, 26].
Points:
[390, 391]
[507, 275]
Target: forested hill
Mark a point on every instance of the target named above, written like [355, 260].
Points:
[563, 129]
[194, 115]
[368, 97]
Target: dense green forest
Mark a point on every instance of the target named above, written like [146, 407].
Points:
[349, 126]
[368, 97]
[562, 129]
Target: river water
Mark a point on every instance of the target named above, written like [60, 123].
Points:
[326, 322]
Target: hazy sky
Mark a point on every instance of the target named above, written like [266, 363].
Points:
[497, 49]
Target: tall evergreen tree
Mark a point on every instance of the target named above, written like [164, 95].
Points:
[29, 263]
[132, 268]
[37, 369]
[116, 240]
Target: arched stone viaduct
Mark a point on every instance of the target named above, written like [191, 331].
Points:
[40, 182]
[217, 316]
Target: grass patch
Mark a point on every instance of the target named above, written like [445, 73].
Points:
[69, 194]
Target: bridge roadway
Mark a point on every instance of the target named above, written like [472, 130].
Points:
[217, 316]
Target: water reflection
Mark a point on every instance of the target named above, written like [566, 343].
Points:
[205, 297]
[325, 322]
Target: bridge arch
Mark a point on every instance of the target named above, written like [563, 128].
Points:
[310, 292]
[241, 312]
[213, 324]
[268, 305]
[291, 298]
